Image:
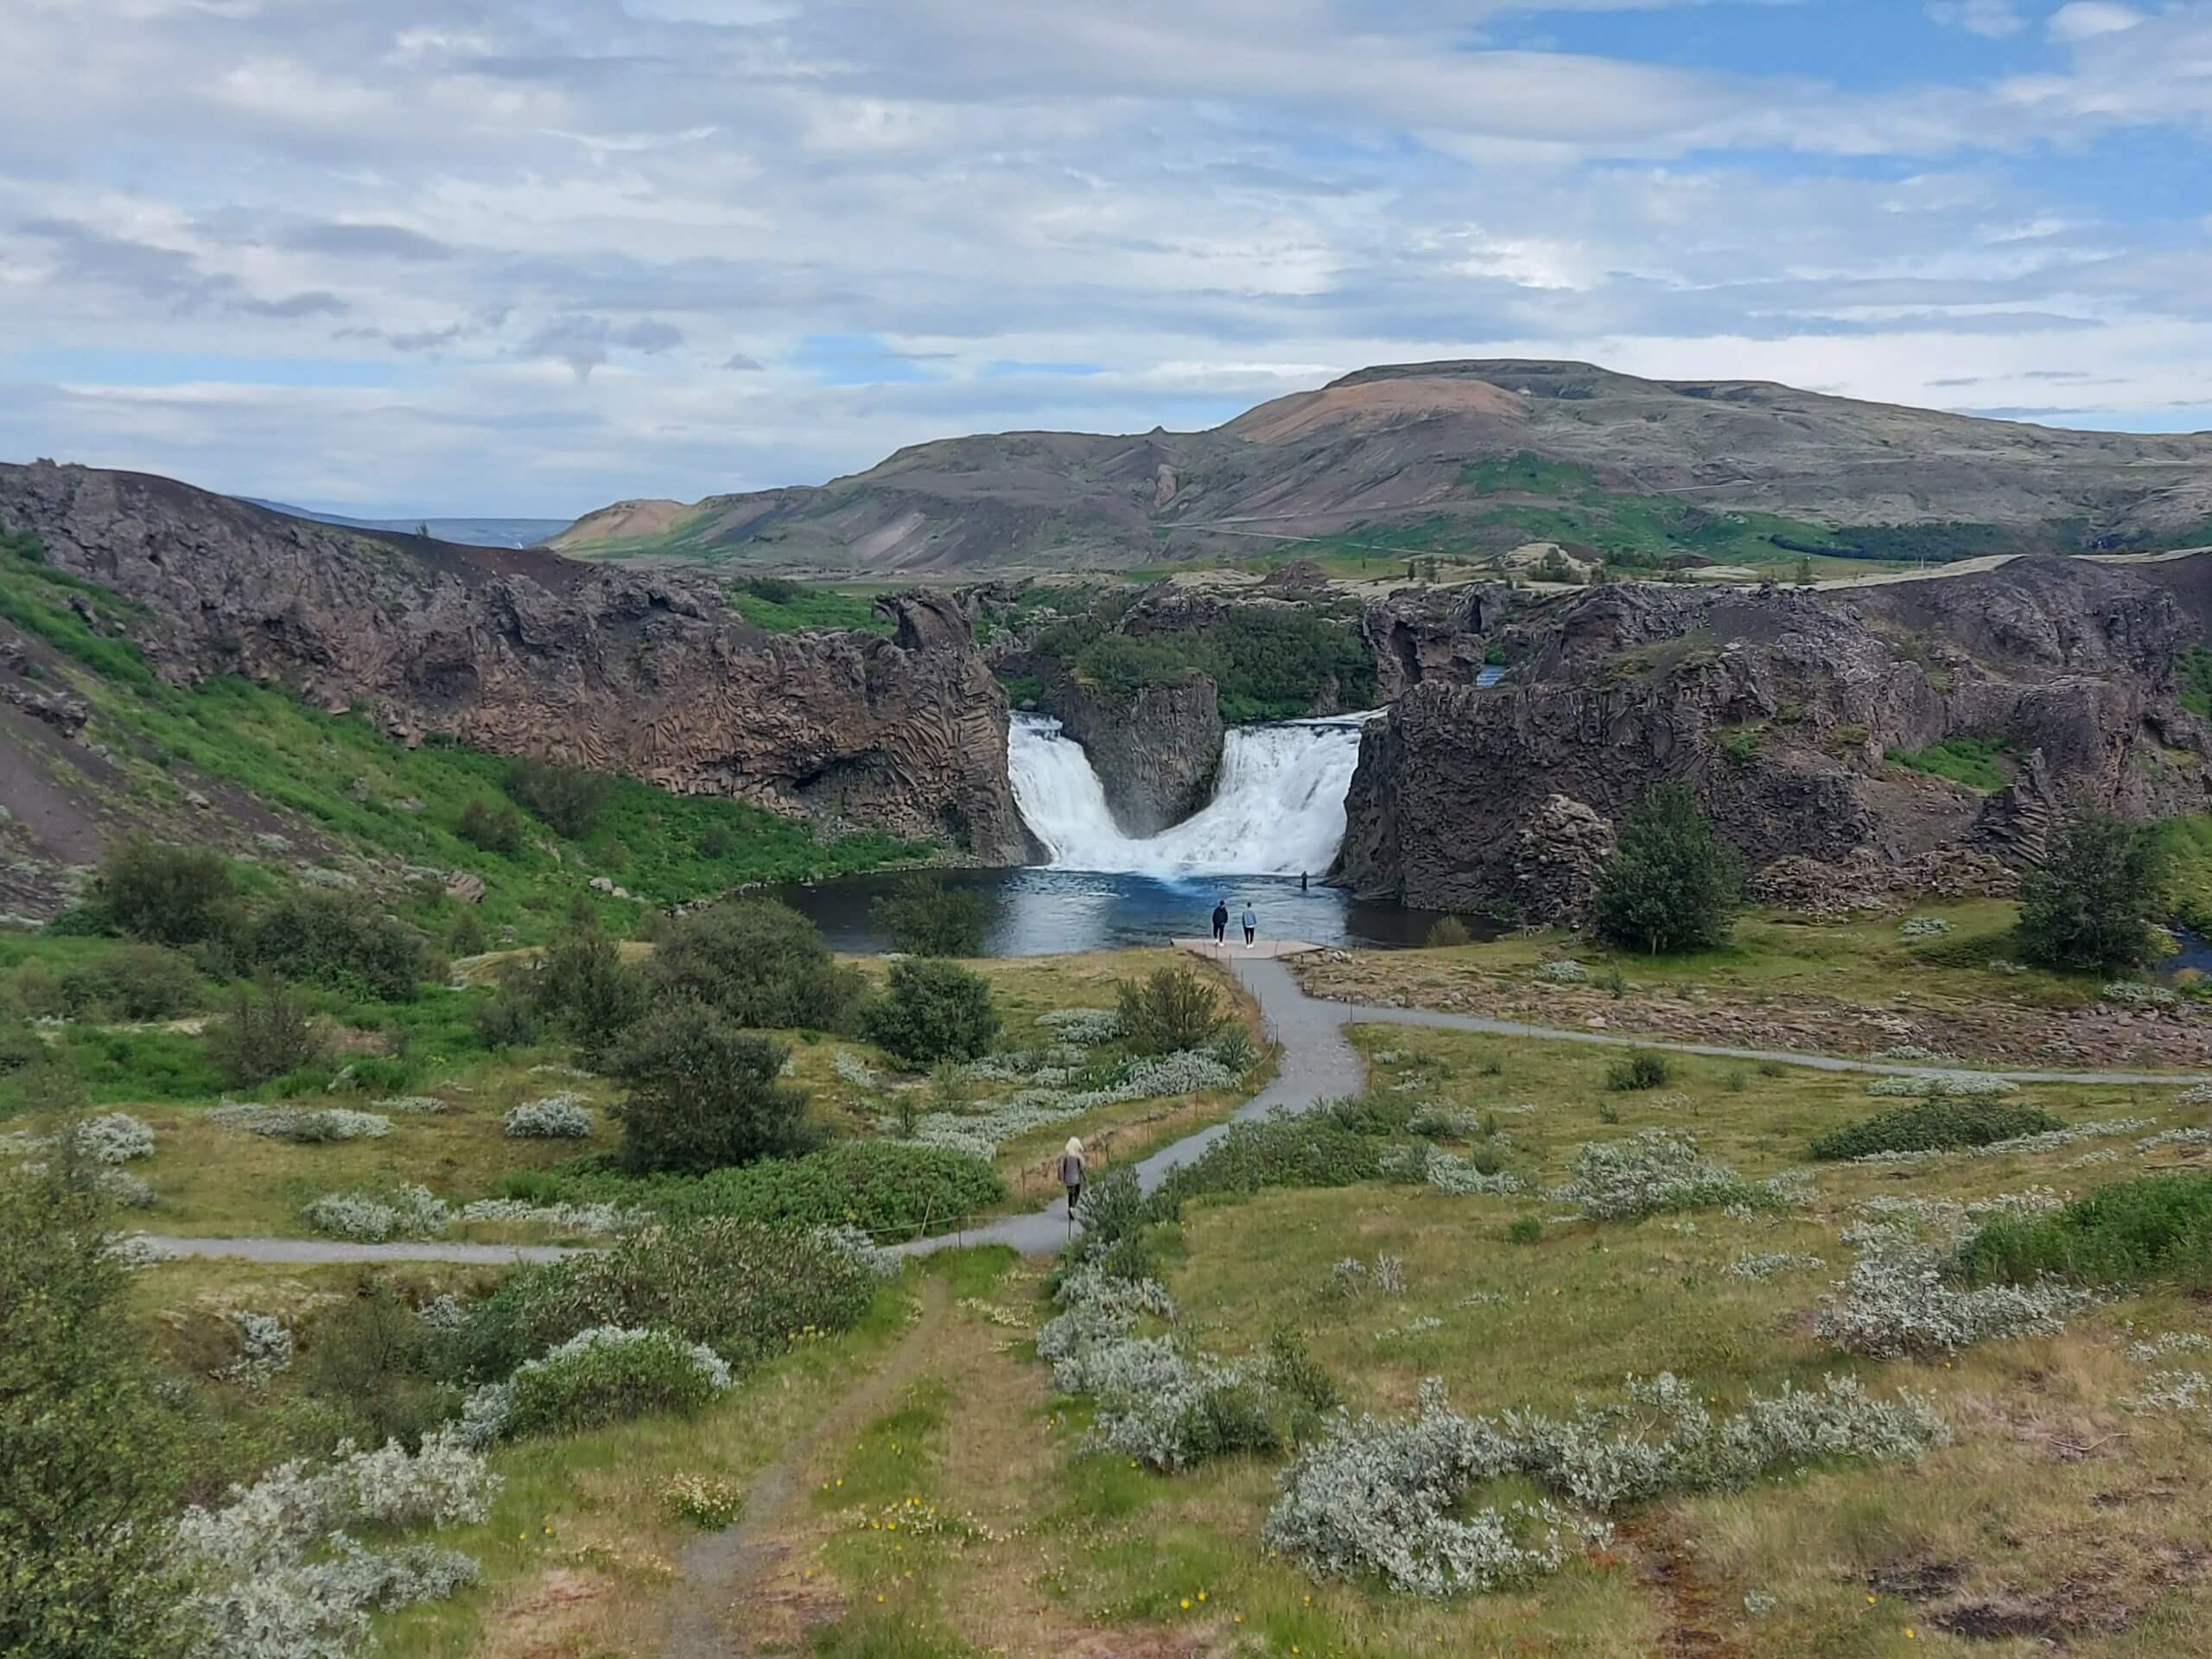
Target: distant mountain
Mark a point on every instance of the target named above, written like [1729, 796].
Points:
[466, 533]
[1466, 458]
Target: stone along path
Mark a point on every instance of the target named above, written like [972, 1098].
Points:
[1317, 1063]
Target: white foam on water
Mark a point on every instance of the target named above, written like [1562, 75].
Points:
[1278, 807]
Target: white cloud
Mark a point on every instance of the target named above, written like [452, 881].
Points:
[1992, 19]
[531, 258]
[2086, 19]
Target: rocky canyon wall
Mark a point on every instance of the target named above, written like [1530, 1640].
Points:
[528, 653]
[1780, 708]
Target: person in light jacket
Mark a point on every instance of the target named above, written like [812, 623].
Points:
[1072, 1172]
[1251, 924]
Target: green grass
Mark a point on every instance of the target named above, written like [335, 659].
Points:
[2197, 682]
[1978, 762]
[780, 606]
[2131, 1233]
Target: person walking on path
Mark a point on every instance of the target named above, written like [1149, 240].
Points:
[1251, 924]
[1072, 1172]
[1220, 920]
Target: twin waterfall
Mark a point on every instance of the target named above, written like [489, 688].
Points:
[1278, 807]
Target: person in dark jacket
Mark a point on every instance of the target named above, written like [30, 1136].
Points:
[1072, 1172]
[1220, 920]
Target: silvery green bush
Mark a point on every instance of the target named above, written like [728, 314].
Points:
[373, 1219]
[292, 1123]
[1958, 1085]
[264, 1350]
[1567, 971]
[2172, 1391]
[1766, 1264]
[2134, 994]
[414, 1105]
[1087, 1027]
[1655, 1170]
[279, 1577]
[1449, 1172]
[557, 1118]
[852, 1069]
[982, 1131]
[1923, 927]
[114, 1138]
[1898, 1300]
[579, 1363]
[1388, 1498]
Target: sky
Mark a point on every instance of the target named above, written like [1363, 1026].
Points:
[531, 256]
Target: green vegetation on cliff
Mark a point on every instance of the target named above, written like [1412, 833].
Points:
[1269, 662]
[339, 784]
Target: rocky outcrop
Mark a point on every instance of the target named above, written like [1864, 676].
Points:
[1780, 708]
[1156, 754]
[524, 652]
[1425, 634]
[1557, 856]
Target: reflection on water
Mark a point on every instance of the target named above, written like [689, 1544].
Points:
[1038, 912]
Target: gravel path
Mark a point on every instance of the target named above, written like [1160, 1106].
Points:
[1317, 1063]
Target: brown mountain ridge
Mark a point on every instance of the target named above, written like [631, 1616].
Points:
[1470, 457]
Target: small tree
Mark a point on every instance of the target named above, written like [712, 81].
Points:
[703, 1094]
[1804, 573]
[761, 963]
[264, 1036]
[926, 918]
[933, 1010]
[2086, 908]
[1673, 885]
[495, 828]
[168, 895]
[91, 1466]
[1169, 1010]
[571, 798]
[582, 984]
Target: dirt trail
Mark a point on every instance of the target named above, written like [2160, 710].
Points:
[720, 1567]
[1696, 1620]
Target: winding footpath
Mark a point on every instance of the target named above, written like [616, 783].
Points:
[1317, 1063]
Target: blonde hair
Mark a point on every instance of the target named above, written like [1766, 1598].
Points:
[1075, 1147]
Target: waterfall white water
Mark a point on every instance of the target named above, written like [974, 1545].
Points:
[1278, 807]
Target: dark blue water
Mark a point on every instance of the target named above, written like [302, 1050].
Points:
[1037, 912]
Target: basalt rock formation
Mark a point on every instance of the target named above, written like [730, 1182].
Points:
[524, 652]
[1781, 707]
[1155, 752]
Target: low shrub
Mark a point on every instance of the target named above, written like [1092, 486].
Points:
[557, 1118]
[306, 1126]
[581, 984]
[745, 1289]
[702, 1095]
[1934, 1125]
[496, 830]
[337, 939]
[1637, 1071]
[707, 1503]
[132, 981]
[370, 1356]
[1169, 1010]
[608, 1375]
[1309, 1149]
[507, 1019]
[2153, 1227]
[571, 798]
[267, 1033]
[1901, 1299]
[1390, 1498]
[1654, 1172]
[887, 1189]
[933, 1010]
[1446, 933]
